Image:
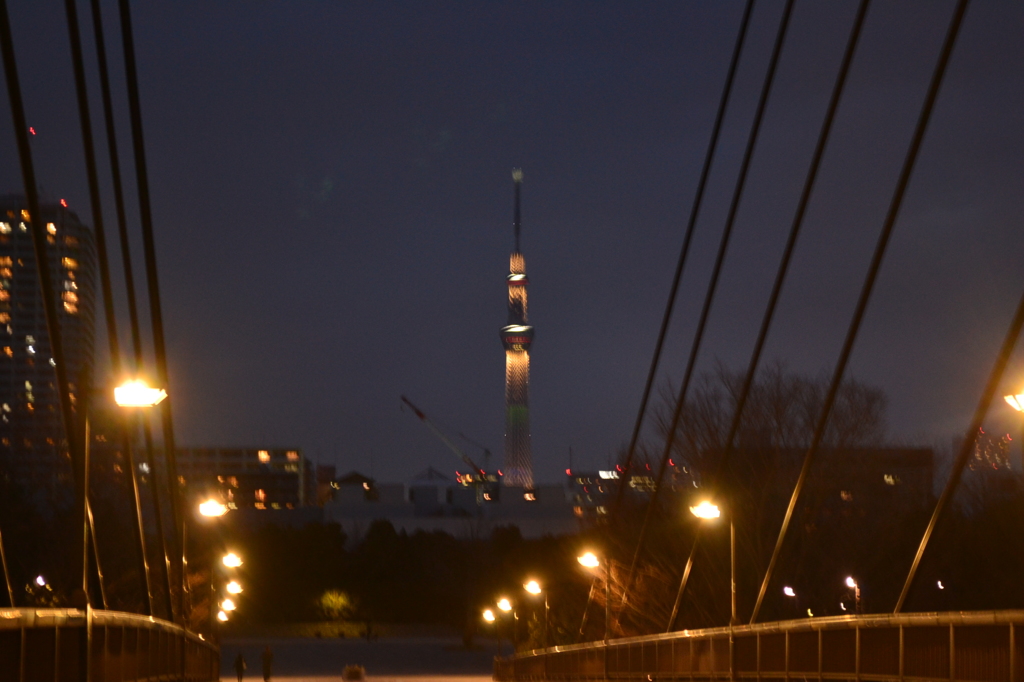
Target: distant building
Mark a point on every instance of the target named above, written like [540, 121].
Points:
[254, 478]
[33, 448]
[432, 501]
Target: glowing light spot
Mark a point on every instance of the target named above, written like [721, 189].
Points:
[40, 580]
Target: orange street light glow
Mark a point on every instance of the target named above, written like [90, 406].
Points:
[232, 560]
[1015, 401]
[533, 587]
[706, 510]
[589, 560]
[137, 394]
[228, 605]
[489, 615]
[222, 616]
[234, 588]
[212, 508]
[504, 604]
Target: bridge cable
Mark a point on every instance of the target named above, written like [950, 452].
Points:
[78, 64]
[965, 449]
[694, 211]
[153, 288]
[865, 295]
[80, 546]
[780, 277]
[133, 314]
[709, 297]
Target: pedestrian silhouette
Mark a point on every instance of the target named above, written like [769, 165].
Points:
[240, 666]
[268, 663]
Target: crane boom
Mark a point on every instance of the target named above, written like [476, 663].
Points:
[444, 439]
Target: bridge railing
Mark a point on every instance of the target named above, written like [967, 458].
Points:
[69, 645]
[927, 647]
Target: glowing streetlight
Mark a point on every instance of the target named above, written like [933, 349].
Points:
[788, 591]
[853, 585]
[228, 605]
[533, 587]
[233, 587]
[706, 510]
[137, 394]
[504, 604]
[1015, 401]
[489, 615]
[212, 508]
[40, 580]
[940, 585]
[232, 560]
[589, 560]
[709, 510]
[222, 616]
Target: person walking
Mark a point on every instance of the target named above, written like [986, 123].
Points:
[240, 666]
[268, 663]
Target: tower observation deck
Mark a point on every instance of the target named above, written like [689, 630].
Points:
[516, 337]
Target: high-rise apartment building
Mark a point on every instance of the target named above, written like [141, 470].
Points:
[33, 447]
[516, 337]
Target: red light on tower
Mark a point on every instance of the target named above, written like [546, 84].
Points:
[32, 130]
[63, 203]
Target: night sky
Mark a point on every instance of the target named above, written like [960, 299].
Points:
[333, 208]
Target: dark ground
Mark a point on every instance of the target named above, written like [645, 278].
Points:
[394, 657]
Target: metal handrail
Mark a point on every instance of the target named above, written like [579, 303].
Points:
[944, 642]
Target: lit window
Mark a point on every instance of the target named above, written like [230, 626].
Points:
[5, 317]
[6, 260]
[24, 214]
[5, 295]
[70, 286]
[5, 228]
[260, 505]
[293, 456]
[8, 351]
[261, 495]
[70, 308]
[5, 272]
[70, 241]
[70, 296]
[846, 495]
[69, 263]
[23, 227]
[30, 339]
[264, 455]
[51, 228]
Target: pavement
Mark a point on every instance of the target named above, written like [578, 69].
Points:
[419, 659]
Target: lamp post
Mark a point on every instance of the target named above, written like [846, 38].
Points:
[708, 510]
[533, 587]
[855, 586]
[505, 606]
[589, 560]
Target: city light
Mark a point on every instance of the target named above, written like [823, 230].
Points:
[706, 510]
[40, 580]
[137, 394]
[222, 616]
[489, 615]
[232, 560]
[212, 508]
[228, 605]
[1015, 401]
[533, 587]
[234, 588]
[589, 560]
[850, 582]
[788, 591]
[504, 604]
[940, 585]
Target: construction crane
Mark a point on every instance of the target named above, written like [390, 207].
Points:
[486, 484]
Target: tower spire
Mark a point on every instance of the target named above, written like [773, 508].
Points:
[517, 337]
[517, 178]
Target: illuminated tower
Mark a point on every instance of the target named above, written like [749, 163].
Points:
[516, 336]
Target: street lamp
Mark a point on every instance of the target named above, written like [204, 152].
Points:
[212, 507]
[136, 393]
[708, 510]
[589, 560]
[533, 587]
[233, 587]
[232, 560]
[855, 586]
